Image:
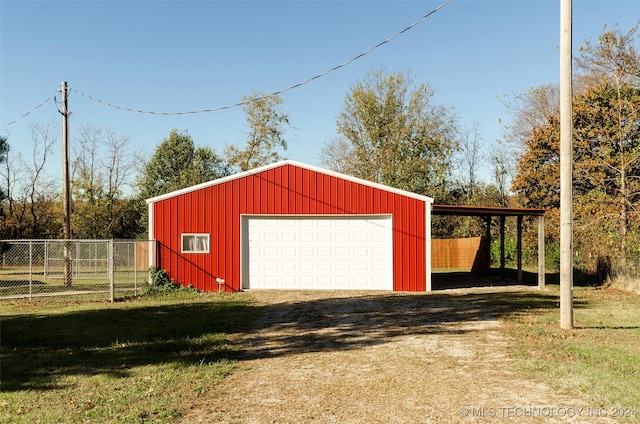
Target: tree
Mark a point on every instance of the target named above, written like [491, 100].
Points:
[338, 154]
[393, 133]
[613, 58]
[614, 65]
[530, 110]
[32, 201]
[177, 163]
[265, 136]
[606, 180]
[471, 159]
[606, 168]
[103, 168]
[502, 170]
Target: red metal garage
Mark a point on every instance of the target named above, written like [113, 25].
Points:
[290, 225]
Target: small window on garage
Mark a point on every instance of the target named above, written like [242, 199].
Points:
[195, 243]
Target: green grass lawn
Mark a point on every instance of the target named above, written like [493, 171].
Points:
[599, 360]
[144, 359]
[133, 361]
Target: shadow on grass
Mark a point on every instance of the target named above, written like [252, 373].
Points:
[38, 349]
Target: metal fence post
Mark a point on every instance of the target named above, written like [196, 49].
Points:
[30, 270]
[46, 260]
[110, 270]
[135, 268]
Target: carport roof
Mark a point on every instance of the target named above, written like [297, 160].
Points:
[484, 211]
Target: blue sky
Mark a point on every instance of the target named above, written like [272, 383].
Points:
[174, 56]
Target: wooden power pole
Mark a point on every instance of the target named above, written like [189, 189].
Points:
[66, 186]
[566, 168]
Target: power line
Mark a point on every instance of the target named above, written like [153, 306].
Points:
[291, 87]
[28, 113]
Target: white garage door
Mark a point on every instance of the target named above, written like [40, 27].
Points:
[353, 253]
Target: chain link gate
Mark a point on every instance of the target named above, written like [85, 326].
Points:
[43, 268]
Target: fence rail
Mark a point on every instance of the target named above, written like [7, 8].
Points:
[43, 268]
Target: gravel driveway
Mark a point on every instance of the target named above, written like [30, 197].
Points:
[372, 357]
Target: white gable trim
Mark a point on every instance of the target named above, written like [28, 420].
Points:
[294, 163]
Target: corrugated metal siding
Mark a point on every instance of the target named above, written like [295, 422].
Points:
[285, 190]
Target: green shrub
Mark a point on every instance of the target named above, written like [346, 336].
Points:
[161, 283]
[510, 250]
[552, 255]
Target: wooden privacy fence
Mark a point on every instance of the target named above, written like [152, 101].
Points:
[463, 254]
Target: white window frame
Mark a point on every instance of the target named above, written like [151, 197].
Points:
[197, 246]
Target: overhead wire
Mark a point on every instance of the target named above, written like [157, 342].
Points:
[48, 99]
[275, 93]
[284, 90]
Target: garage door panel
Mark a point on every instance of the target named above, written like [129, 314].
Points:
[290, 238]
[271, 237]
[361, 266]
[307, 238]
[324, 266]
[289, 282]
[350, 282]
[289, 266]
[342, 266]
[318, 252]
[361, 238]
[306, 252]
[378, 267]
[269, 266]
[289, 251]
[361, 252]
[307, 266]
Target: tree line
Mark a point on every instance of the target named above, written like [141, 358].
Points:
[392, 131]
[606, 150]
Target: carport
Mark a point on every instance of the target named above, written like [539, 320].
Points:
[487, 214]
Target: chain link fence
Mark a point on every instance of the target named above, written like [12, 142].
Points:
[43, 268]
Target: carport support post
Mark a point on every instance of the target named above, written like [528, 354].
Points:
[488, 247]
[541, 267]
[502, 218]
[519, 248]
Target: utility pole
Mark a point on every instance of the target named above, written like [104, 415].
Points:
[66, 186]
[566, 168]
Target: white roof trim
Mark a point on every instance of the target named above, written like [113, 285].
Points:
[239, 175]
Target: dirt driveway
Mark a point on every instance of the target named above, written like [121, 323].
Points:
[371, 357]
